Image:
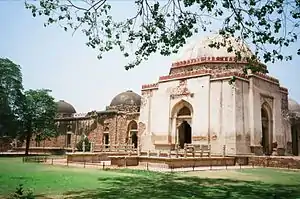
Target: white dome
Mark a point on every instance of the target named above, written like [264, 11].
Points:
[200, 48]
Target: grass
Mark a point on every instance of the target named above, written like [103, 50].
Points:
[63, 182]
[263, 175]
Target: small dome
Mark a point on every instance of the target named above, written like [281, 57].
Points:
[126, 98]
[200, 48]
[65, 107]
[294, 106]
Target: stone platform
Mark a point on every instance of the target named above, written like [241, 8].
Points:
[49, 150]
[291, 162]
[93, 157]
[172, 162]
[122, 159]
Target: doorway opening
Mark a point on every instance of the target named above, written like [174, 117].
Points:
[69, 140]
[295, 136]
[132, 134]
[266, 141]
[106, 140]
[182, 114]
[185, 134]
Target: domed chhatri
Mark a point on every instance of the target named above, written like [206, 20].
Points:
[126, 101]
[294, 106]
[64, 107]
[201, 49]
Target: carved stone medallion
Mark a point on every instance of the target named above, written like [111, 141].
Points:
[181, 90]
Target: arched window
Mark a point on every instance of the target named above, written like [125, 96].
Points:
[106, 137]
[132, 137]
[184, 111]
[182, 108]
[266, 128]
[264, 114]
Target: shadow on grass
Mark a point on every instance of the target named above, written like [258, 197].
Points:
[172, 186]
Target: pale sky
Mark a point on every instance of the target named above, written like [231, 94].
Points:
[51, 58]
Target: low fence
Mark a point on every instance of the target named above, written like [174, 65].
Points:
[112, 147]
[189, 150]
[148, 166]
[43, 150]
[37, 159]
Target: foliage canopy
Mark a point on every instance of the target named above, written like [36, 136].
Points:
[11, 97]
[164, 26]
[38, 115]
[24, 114]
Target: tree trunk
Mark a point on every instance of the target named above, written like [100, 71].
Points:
[28, 138]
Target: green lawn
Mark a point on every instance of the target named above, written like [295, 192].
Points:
[62, 182]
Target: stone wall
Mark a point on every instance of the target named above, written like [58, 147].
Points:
[222, 121]
[241, 117]
[113, 123]
[279, 162]
[5, 144]
[93, 157]
[46, 150]
[172, 162]
[216, 68]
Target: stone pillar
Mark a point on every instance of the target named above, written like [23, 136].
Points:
[92, 147]
[251, 110]
[177, 135]
[169, 153]
[173, 129]
[118, 147]
[139, 150]
[83, 146]
[158, 153]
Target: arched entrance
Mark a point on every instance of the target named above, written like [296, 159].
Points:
[295, 140]
[69, 136]
[266, 125]
[182, 116]
[185, 134]
[106, 138]
[132, 134]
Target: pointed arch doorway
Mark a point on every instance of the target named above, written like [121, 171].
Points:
[184, 134]
[266, 125]
[132, 134]
[295, 140]
[182, 116]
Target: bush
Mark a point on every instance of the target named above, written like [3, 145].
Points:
[87, 144]
[20, 193]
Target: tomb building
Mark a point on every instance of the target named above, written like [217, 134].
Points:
[197, 103]
[117, 124]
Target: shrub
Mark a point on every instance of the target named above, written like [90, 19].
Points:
[87, 144]
[20, 193]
